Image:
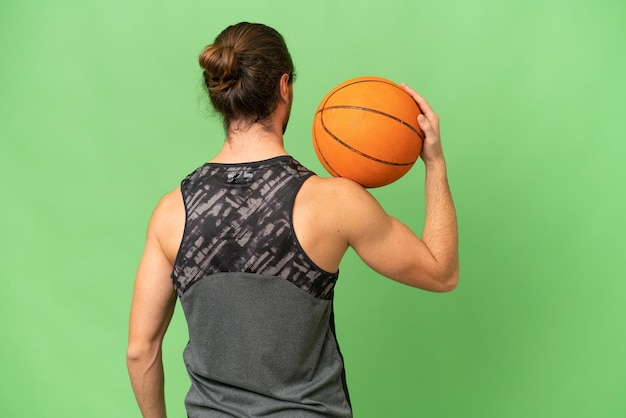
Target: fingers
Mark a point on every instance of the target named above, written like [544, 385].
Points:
[429, 123]
[425, 124]
[422, 103]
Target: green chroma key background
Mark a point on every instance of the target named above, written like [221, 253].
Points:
[102, 112]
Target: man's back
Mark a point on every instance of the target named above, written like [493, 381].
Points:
[259, 312]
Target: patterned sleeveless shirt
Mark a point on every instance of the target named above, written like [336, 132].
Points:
[259, 311]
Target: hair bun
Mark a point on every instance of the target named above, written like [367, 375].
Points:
[221, 70]
[242, 72]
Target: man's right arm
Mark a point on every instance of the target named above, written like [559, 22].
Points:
[390, 247]
[152, 307]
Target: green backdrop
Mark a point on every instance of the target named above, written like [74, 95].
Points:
[102, 112]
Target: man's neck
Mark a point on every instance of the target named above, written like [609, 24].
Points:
[253, 144]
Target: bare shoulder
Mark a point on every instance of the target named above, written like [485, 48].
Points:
[347, 203]
[170, 202]
[323, 218]
[337, 191]
[168, 222]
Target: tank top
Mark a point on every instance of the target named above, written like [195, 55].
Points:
[259, 311]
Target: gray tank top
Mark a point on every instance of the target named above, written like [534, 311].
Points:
[259, 311]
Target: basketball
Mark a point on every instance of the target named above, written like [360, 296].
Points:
[366, 129]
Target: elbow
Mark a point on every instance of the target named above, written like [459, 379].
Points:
[445, 281]
[134, 354]
[435, 277]
[138, 353]
[449, 284]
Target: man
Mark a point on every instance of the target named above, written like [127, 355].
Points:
[251, 245]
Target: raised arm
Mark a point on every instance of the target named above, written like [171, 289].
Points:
[390, 247]
[440, 227]
[152, 308]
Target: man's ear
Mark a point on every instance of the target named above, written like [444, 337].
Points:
[285, 87]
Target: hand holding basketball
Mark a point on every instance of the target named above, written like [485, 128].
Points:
[429, 122]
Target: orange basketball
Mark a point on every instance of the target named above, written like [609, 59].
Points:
[365, 129]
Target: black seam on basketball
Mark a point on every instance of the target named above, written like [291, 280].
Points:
[321, 154]
[367, 80]
[378, 112]
[361, 153]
